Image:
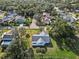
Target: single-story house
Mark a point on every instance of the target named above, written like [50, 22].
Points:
[19, 19]
[6, 18]
[67, 17]
[9, 17]
[40, 40]
[70, 18]
[6, 40]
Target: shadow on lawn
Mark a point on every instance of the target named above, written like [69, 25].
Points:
[69, 43]
[50, 45]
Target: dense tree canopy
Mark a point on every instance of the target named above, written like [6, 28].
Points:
[61, 28]
[64, 35]
[26, 7]
[18, 48]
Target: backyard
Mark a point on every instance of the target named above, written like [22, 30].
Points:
[55, 53]
[52, 52]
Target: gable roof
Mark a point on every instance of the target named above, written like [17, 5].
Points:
[40, 40]
[45, 38]
[7, 37]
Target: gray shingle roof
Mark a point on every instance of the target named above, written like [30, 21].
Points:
[45, 38]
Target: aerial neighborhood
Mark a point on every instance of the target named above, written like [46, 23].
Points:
[39, 29]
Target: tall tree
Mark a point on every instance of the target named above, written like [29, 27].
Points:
[61, 31]
[18, 48]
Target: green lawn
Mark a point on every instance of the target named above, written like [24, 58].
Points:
[55, 53]
[52, 52]
[2, 31]
[31, 32]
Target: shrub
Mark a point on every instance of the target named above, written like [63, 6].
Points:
[27, 35]
[38, 50]
[43, 50]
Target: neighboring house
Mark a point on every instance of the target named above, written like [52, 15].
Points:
[6, 18]
[41, 39]
[6, 40]
[46, 18]
[67, 17]
[19, 19]
[9, 17]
